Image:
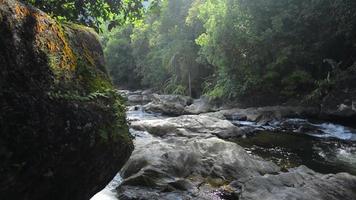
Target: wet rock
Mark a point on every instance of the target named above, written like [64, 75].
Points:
[123, 93]
[135, 98]
[269, 114]
[147, 92]
[168, 104]
[188, 126]
[202, 105]
[299, 183]
[134, 193]
[178, 167]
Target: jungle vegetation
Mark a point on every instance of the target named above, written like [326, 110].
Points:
[235, 49]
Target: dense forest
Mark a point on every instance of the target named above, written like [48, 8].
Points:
[177, 99]
[262, 51]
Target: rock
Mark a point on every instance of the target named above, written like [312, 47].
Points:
[188, 126]
[136, 98]
[147, 92]
[123, 93]
[299, 183]
[199, 106]
[168, 104]
[269, 113]
[180, 166]
[61, 135]
[133, 193]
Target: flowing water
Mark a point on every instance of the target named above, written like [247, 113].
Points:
[323, 147]
[133, 113]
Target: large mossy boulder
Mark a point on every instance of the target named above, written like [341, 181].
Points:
[63, 127]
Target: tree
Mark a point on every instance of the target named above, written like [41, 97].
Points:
[91, 12]
[119, 58]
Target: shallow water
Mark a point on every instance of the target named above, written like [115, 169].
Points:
[109, 192]
[323, 147]
[293, 149]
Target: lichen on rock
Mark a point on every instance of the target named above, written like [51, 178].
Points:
[63, 126]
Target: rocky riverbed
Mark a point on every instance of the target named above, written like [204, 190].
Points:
[188, 149]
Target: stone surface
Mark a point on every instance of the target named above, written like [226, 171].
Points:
[187, 125]
[299, 183]
[201, 105]
[63, 130]
[269, 113]
[135, 98]
[183, 165]
[168, 104]
[181, 158]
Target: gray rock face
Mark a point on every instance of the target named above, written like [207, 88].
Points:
[198, 106]
[269, 113]
[300, 183]
[53, 145]
[179, 105]
[136, 97]
[188, 125]
[181, 158]
[181, 165]
[168, 104]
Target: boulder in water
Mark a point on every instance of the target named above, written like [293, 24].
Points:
[181, 166]
[169, 104]
[201, 105]
[188, 126]
[267, 114]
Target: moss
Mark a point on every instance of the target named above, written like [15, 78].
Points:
[82, 29]
[92, 79]
[21, 11]
[216, 182]
[50, 38]
[113, 130]
[62, 115]
[76, 79]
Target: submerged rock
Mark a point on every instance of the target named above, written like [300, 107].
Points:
[63, 128]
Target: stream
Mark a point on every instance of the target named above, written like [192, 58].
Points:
[321, 146]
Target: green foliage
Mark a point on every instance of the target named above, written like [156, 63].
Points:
[171, 87]
[164, 49]
[91, 12]
[273, 47]
[119, 58]
[271, 50]
[295, 83]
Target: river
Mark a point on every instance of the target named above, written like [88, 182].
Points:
[321, 146]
